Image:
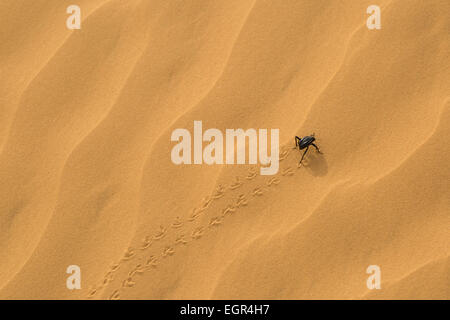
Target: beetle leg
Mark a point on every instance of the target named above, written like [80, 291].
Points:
[303, 155]
[297, 142]
[317, 148]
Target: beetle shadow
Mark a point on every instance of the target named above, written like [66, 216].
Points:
[316, 164]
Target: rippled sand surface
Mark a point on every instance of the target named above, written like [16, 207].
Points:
[86, 177]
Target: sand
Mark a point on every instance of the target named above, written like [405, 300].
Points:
[86, 177]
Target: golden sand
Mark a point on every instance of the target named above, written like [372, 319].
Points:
[86, 177]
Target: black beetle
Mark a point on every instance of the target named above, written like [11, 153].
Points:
[305, 142]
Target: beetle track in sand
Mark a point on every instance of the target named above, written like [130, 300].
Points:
[197, 233]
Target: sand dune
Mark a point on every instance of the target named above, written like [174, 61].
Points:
[85, 140]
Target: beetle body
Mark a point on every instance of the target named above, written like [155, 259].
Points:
[306, 141]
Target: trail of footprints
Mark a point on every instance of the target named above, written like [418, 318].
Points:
[196, 233]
